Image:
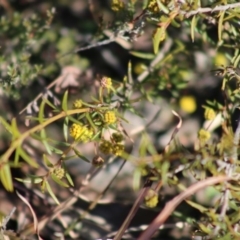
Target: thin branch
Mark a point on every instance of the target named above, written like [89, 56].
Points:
[230, 169]
[166, 47]
[211, 10]
[171, 205]
[133, 210]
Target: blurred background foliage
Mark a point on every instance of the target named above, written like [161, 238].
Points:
[162, 55]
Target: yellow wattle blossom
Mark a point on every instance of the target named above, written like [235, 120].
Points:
[110, 117]
[77, 104]
[153, 6]
[209, 114]
[117, 137]
[81, 133]
[117, 149]
[105, 147]
[204, 135]
[151, 199]
[117, 5]
[106, 82]
[188, 104]
[59, 172]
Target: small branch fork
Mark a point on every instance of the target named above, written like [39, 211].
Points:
[211, 10]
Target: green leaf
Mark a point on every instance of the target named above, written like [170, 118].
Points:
[47, 161]
[220, 25]
[68, 177]
[44, 141]
[59, 181]
[142, 55]
[51, 193]
[6, 124]
[16, 157]
[6, 177]
[50, 104]
[27, 158]
[164, 171]
[193, 25]
[64, 101]
[41, 112]
[159, 36]
[15, 131]
[162, 7]
[80, 155]
[55, 150]
[197, 206]
[33, 180]
[43, 185]
[65, 128]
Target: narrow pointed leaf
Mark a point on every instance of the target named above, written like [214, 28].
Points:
[50, 104]
[80, 155]
[51, 193]
[35, 180]
[59, 181]
[64, 101]
[197, 206]
[27, 158]
[193, 25]
[6, 124]
[158, 37]
[220, 25]
[65, 128]
[69, 179]
[15, 131]
[142, 55]
[41, 112]
[47, 161]
[44, 141]
[16, 157]
[6, 177]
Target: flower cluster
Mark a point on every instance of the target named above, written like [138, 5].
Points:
[105, 147]
[106, 82]
[110, 117]
[151, 199]
[59, 172]
[77, 104]
[204, 135]
[117, 5]
[209, 114]
[81, 133]
[153, 6]
[117, 137]
[117, 149]
[188, 104]
[108, 147]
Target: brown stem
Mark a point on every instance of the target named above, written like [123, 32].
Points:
[171, 205]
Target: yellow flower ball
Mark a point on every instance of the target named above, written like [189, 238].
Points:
[59, 172]
[188, 104]
[151, 199]
[209, 114]
[118, 149]
[110, 117]
[77, 103]
[105, 147]
[81, 133]
[204, 135]
[117, 5]
[220, 60]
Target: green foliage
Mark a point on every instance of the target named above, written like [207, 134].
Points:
[181, 32]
